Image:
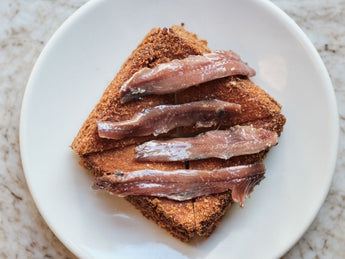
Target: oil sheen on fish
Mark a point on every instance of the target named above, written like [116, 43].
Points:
[224, 144]
[163, 118]
[180, 74]
[184, 184]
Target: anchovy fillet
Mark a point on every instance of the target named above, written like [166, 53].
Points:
[163, 118]
[224, 144]
[180, 74]
[184, 184]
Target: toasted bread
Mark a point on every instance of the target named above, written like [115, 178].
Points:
[197, 217]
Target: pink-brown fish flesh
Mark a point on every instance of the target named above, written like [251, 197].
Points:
[163, 118]
[180, 74]
[185, 184]
[224, 144]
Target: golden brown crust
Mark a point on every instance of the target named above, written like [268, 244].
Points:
[208, 211]
[175, 217]
[186, 219]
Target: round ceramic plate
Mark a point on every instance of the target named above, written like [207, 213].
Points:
[83, 57]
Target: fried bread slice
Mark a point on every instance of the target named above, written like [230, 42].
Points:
[187, 219]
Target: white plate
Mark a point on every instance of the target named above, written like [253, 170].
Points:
[82, 58]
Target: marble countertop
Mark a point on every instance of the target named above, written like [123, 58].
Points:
[25, 27]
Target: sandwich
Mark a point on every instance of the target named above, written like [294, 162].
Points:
[127, 140]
